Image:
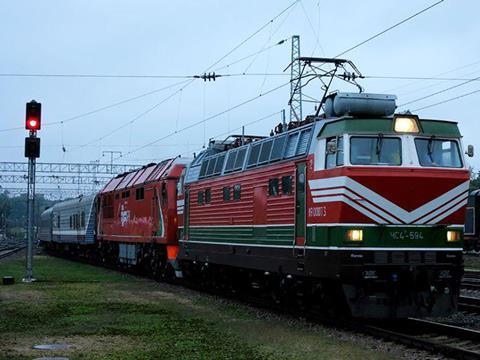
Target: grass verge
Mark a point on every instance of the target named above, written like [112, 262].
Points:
[103, 314]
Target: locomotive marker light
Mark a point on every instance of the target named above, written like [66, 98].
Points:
[406, 124]
[453, 236]
[355, 235]
[33, 121]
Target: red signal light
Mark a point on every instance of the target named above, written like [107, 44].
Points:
[32, 124]
[33, 116]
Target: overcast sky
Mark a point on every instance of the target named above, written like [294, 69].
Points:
[187, 37]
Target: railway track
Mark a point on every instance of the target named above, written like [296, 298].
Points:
[453, 341]
[469, 304]
[471, 280]
[9, 252]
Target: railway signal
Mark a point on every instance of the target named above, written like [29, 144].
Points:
[33, 120]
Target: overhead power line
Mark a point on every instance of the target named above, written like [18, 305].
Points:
[440, 92]
[121, 102]
[238, 128]
[448, 100]
[95, 76]
[342, 53]
[420, 78]
[193, 79]
[389, 28]
[204, 120]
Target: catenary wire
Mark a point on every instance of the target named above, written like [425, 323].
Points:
[389, 28]
[447, 100]
[204, 120]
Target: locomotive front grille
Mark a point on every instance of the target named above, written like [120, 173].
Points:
[398, 257]
[381, 257]
[430, 257]
[414, 257]
[402, 257]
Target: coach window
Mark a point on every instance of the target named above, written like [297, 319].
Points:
[287, 185]
[200, 198]
[208, 196]
[226, 193]
[334, 152]
[70, 221]
[82, 219]
[273, 187]
[127, 193]
[117, 196]
[236, 192]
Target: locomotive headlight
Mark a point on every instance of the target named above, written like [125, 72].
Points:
[355, 235]
[406, 124]
[453, 236]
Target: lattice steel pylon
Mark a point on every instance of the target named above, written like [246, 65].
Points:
[295, 82]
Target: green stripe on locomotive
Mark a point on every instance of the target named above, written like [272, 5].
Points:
[373, 236]
[385, 126]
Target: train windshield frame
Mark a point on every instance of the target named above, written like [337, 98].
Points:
[376, 150]
[434, 152]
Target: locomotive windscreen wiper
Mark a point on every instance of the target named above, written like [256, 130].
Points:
[379, 144]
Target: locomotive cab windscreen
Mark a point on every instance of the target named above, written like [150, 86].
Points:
[349, 141]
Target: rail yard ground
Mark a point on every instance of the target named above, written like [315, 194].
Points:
[472, 261]
[103, 314]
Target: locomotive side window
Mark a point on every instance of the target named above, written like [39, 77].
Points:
[334, 152]
[438, 153]
[140, 193]
[287, 185]
[240, 158]
[277, 149]
[291, 145]
[226, 193]
[219, 164]
[230, 161]
[211, 166]
[253, 156]
[236, 192]
[273, 187]
[303, 142]
[203, 168]
[265, 152]
[163, 199]
[375, 150]
[208, 196]
[200, 198]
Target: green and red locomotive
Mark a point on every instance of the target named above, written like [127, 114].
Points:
[365, 204]
[358, 210]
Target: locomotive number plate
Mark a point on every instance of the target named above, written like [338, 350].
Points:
[320, 211]
[406, 235]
